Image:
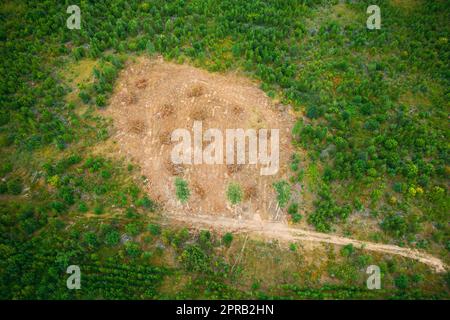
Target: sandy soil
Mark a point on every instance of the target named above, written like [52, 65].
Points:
[154, 97]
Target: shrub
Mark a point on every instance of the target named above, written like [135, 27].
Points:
[293, 208]
[98, 209]
[283, 191]
[234, 193]
[182, 190]
[132, 249]
[401, 282]
[84, 96]
[358, 205]
[3, 188]
[147, 203]
[58, 206]
[227, 239]
[7, 167]
[100, 100]
[180, 237]
[296, 217]
[133, 229]
[106, 174]
[90, 238]
[205, 238]
[82, 207]
[112, 238]
[394, 224]
[14, 186]
[154, 229]
[195, 259]
[314, 112]
[347, 250]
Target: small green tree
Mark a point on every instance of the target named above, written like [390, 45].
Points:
[154, 229]
[133, 229]
[100, 100]
[234, 194]
[112, 238]
[133, 249]
[82, 207]
[90, 239]
[227, 238]
[401, 282]
[84, 96]
[293, 211]
[182, 190]
[14, 186]
[283, 190]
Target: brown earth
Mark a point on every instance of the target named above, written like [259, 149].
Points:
[154, 97]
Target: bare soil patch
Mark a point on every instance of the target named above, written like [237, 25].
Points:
[153, 97]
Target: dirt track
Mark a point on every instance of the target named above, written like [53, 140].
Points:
[277, 230]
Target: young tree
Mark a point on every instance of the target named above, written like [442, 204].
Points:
[283, 191]
[112, 238]
[227, 239]
[182, 190]
[234, 195]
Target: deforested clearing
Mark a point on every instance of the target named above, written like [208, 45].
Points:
[153, 98]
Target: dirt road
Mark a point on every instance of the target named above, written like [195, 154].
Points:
[281, 231]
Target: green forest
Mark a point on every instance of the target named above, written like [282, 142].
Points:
[372, 112]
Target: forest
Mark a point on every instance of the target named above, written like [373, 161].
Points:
[371, 112]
